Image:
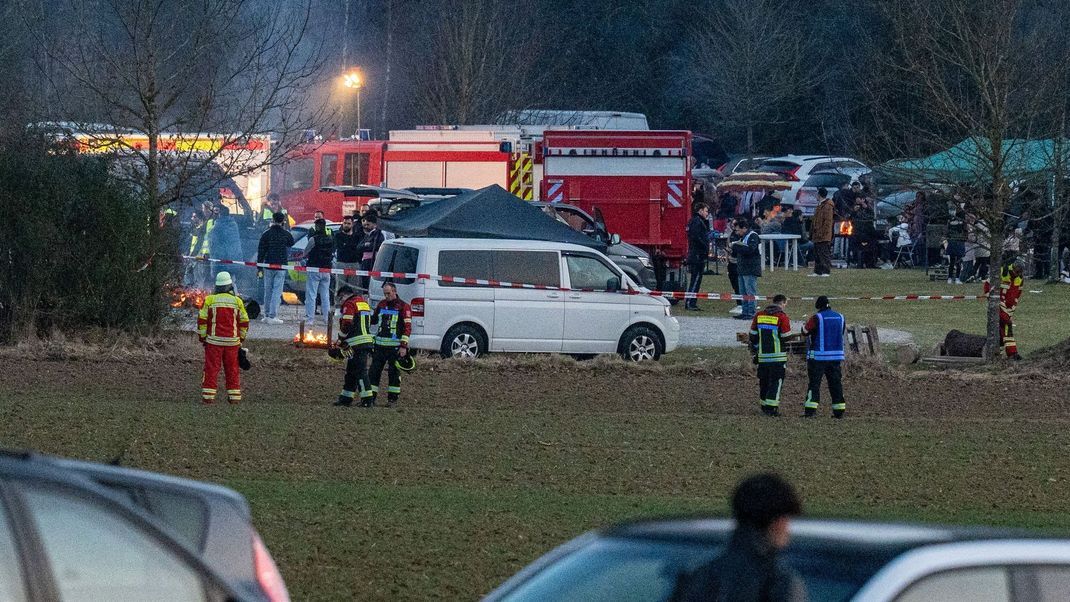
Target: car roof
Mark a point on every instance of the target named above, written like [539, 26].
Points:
[806, 158]
[134, 476]
[865, 534]
[370, 191]
[432, 244]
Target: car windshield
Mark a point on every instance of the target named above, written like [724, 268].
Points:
[642, 569]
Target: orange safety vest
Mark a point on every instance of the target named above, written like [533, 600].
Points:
[223, 320]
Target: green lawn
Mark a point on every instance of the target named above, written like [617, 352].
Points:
[928, 321]
[488, 466]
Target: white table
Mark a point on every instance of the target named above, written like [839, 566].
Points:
[793, 248]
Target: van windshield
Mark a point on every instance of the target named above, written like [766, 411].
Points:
[397, 258]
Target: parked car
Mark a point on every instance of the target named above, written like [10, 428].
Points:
[467, 320]
[837, 560]
[740, 163]
[631, 259]
[832, 180]
[391, 206]
[64, 536]
[797, 168]
[212, 520]
[295, 281]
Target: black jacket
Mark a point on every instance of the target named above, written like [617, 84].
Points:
[320, 250]
[347, 246]
[747, 571]
[748, 255]
[369, 248]
[793, 225]
[274, 245]
[698, 239]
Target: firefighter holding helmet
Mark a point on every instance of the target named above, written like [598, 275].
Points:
[1010, 290]
[222, 325]
[394, 320]
[355, 345]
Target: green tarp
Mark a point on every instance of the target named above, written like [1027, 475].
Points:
[971, 160]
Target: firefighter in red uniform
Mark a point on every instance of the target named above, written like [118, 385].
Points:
[394, 320]
[768, 331]
[356, 342]
[1010, 289]
[222, 325]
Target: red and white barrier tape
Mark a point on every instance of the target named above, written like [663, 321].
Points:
[504, 284]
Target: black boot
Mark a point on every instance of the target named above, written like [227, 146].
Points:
[343, 401]
[368, 402]
[809, 413]
[838, 413]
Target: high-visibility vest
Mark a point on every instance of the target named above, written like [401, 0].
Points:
[206, 246]
[826, 340]
[395, 323]
[766, 330]
[223, 320]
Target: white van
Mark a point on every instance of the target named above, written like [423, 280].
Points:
[459, 320]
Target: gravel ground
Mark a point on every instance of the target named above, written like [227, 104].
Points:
[702, 330]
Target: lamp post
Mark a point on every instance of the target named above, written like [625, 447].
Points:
[354, 80]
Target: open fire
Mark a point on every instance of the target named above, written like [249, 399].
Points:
[187, 297]
[311, 339]
[846, 228]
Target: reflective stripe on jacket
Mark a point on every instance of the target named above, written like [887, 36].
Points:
[223, 320]
[766, 331]
[395, 323]
[355, 324]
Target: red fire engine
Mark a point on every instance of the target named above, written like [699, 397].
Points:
[640, 180]
[448, 157]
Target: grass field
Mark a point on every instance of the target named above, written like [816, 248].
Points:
[486, 466]
[928, 321]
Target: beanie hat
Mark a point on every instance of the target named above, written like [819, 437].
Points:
[223, 279]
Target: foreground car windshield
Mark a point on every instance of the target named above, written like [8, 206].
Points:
[650, 570]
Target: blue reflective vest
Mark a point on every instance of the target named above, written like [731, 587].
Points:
[826, 341]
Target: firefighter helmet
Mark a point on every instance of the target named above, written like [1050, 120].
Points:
[243, 359]
[407, 363]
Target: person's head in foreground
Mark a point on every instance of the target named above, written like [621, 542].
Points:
[767, 503]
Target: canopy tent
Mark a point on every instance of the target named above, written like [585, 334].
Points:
[971, 160]
[489, 212]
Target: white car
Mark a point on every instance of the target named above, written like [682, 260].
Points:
[797, 168]
[838, 561]
[468, 320]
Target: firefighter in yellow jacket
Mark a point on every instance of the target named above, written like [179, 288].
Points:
[222, 325]
[356, 342]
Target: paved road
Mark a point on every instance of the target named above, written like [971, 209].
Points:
[707, 329]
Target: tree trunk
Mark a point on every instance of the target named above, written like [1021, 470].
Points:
[389, 59]
[750, 138]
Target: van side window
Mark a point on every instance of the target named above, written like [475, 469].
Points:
[528, 267]
[397, 258]
[590, 273]
[467, 264]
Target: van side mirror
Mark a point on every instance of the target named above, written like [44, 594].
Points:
[614, 239]
[613, 284]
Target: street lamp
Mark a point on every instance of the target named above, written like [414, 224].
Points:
[354, 80]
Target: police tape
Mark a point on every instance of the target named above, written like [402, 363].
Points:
[547, 287]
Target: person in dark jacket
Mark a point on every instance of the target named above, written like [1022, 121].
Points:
[698, 237]
[749, 569]
[318, 286]
[347, 252]
[369, 244]
[274, 247]
[793, 224]
[747, 252]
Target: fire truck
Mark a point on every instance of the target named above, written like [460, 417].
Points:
[434, 157]
[639, 180]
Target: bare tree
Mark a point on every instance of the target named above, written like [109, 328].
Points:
[237, 70]
[747, 61]
[479, 60]
[970, 77]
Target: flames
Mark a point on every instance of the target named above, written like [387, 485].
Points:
[187, 297]
[311, 339]
[846, 228]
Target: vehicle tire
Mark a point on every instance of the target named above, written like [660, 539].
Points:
[640, 344]
[464, 341]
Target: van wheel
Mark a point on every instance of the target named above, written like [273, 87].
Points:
[640, 344]
[464, 341]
